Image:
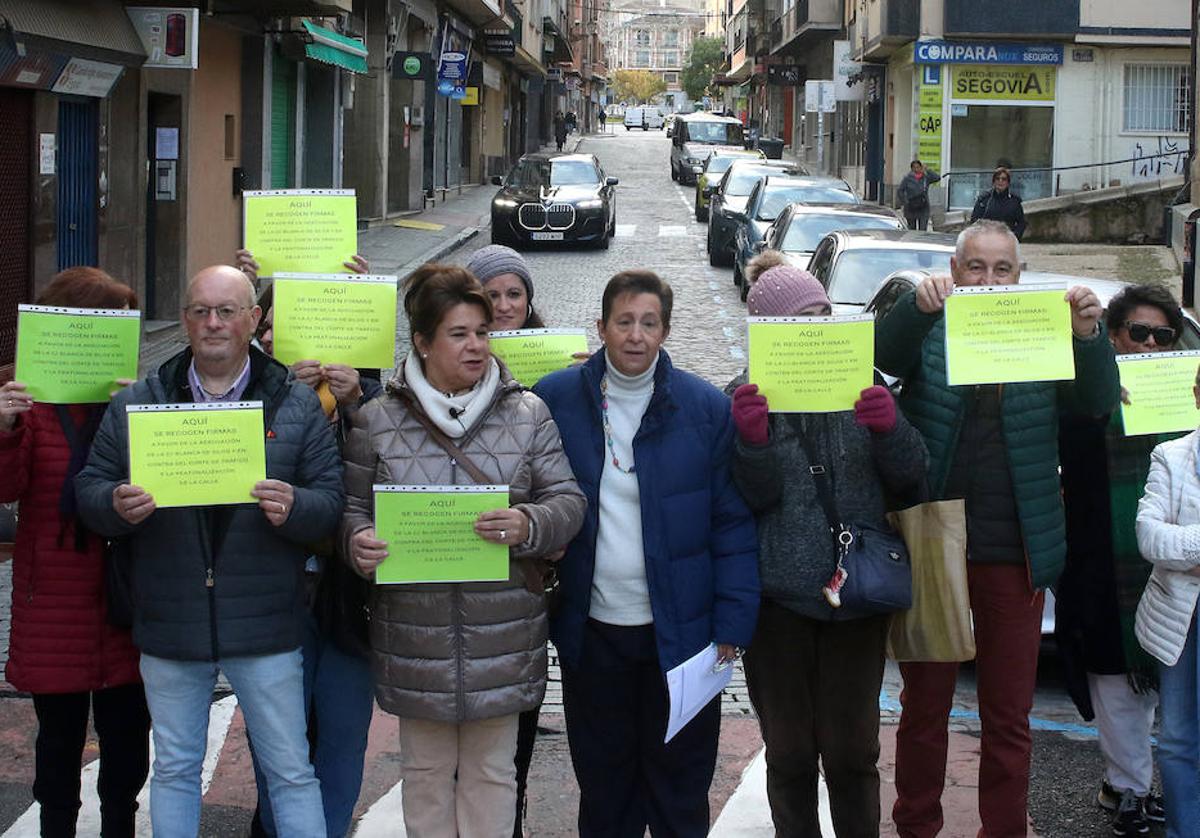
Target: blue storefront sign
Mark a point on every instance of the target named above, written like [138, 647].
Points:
[963, 52]
[452, 62]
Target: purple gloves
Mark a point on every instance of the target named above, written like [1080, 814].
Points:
[750, 414]
[875, 410]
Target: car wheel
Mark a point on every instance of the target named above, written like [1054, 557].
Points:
[603, 242]
[745, 292]
[738, 279]
[674, 173]
[724, 259]
[612, 228]
[712, 257]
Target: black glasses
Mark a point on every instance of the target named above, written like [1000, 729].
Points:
[199, 313]
[1138, 332]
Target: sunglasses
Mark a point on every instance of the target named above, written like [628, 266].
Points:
[1138, 332]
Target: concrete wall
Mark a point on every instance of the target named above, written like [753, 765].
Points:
[1172, 14]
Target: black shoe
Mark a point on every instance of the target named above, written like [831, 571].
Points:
[1109, 798]
[1130, 820]
[1152, 807]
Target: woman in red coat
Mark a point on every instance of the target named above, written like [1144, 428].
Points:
[62, 649]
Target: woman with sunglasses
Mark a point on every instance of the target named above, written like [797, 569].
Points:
[1109, 676]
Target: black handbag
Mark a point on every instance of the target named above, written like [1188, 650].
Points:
[873, 575]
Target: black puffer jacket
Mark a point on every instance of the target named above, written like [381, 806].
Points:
[1004, 207]
[256, 603]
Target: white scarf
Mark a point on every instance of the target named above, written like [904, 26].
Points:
[454, 415]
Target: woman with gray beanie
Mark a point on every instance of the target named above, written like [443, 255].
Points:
[814, 670]
[505, 277]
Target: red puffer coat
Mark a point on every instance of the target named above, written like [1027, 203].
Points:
[60, 641]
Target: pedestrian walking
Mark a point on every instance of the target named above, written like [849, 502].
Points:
[913, 194]
[220, 589]
[601, 118]
[1108, 675]
[1001, 204]
[997, 448]
[339, 690]
[1166, 619]
[64, 647]
[560, 130]
[814, 671]
[458, 662]
[663, 567]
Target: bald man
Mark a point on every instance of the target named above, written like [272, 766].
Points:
[220, 588]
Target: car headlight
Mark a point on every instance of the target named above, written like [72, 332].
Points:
[693, 161]
[590, 203]
[504, 202]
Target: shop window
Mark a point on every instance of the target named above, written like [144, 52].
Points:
[1156, 98]
[985, 136]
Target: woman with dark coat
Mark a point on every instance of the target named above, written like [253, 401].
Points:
[1001, 204]
[560, 130]
[63, 649]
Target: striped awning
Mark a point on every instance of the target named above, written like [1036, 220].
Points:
[331, 47]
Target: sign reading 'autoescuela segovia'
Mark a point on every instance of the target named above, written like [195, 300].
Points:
[952, 52]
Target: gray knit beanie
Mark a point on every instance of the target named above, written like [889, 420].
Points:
[495, 260]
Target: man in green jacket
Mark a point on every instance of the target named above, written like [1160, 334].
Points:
[995, 446]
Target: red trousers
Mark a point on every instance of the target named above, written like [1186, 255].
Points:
[1007, 619]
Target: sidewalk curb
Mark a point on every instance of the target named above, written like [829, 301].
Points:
[440, 249]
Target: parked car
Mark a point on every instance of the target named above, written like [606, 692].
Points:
[696, 136]
[644, 117]
[851, 263]
[799, 227]
[727, 201]
[767, 199]
[555, 197]
[714, 167]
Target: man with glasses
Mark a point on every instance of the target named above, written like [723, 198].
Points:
[995, 446]
[1108, 675]
[220, 588]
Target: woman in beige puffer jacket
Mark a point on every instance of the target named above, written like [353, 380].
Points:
[458, 662]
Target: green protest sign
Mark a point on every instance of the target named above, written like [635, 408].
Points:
[530, 354]
[75, 355]
[335, 319]
[300, 230]
[811, 364]
[1008, 333]
[1158, 392]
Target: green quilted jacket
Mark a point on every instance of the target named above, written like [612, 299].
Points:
[911, 345]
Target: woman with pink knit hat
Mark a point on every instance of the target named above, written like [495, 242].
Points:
[814, 669]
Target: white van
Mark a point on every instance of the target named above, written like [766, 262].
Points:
[643, 117]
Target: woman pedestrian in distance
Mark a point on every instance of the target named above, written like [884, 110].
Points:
[1168, 536]
[458, 662]
[63, 647]
[1108, 675]
[913, 195]
[560, 130]
[814, 670]
[663, 568]
[338, 685]
[1001, 204]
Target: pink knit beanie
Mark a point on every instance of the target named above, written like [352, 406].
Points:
[784, 291]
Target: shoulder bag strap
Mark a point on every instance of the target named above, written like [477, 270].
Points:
[824, 486]
[445, 442]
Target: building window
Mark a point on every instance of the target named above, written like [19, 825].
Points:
[641, 58]
[641, 38]
[1156, 98]
[670, 58]
[671, 38]
[671, 78]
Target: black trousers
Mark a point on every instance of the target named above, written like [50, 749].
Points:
[815, 687]
[123, 727]
[526, 735]
[616, 707]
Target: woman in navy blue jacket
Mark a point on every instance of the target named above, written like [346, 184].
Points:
[666, 563]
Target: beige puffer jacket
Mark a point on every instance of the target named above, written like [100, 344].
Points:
[465, 651]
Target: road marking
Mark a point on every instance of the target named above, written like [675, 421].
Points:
[625, 231]
[747, 813]
[672, 230]
[385, 818]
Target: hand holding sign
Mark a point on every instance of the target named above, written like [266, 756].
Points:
[276, 499]
[13, 402]
[133, 503]
[503, 526]
[1085, 311]
[932, 293]
[367, 551]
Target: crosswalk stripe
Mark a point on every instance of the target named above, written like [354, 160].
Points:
[626, 230]
[747, 813]
[385, 818]
[672, 230]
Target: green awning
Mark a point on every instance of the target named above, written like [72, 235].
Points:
[330, 47]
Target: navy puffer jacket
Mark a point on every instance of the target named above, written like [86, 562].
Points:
[256, 604]
[700, 543]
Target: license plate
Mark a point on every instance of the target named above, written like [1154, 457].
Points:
[546, 237]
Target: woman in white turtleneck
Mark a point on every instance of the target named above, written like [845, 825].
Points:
[665, 565]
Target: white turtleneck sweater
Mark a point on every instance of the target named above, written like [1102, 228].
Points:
[619, 593]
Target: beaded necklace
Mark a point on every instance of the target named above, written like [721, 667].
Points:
[608, 437]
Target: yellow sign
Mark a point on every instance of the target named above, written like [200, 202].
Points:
[294, 230]
[335, 319]
[430, 534]
[197, 454]
[530, 354]
[75, 355]
[471, 97]
[1007, 82]
[811, 364]
[1007, 334]
[929, 126]
[1159, 391]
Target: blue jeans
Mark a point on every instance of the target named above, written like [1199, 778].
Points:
[270, 691]
[1179, 739]
[339, 692]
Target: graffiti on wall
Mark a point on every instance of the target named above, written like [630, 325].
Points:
[1159, 157]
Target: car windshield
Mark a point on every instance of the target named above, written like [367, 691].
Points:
[807, 229]
[858, 273]
[717, 133]
[742, 180]
[779, 197]
[531, 175]
[719, 164]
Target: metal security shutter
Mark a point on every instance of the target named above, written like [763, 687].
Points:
[78, 134]
[16, 106]
[283, 122]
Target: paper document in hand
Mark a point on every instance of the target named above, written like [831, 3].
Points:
[692, 685]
